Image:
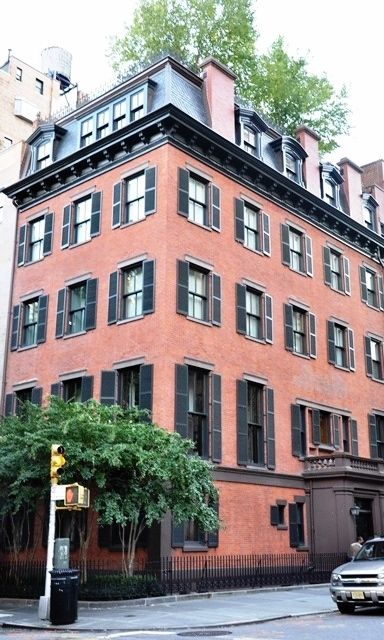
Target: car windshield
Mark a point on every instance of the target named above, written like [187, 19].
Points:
[373, 550]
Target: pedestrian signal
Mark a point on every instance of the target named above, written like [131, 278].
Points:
[76, 496]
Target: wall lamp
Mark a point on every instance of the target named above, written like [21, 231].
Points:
[354, 511]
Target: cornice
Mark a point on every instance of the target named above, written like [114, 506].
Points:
[171, 125]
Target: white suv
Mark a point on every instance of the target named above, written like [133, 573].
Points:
[360, 583]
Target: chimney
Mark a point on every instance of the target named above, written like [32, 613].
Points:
[373, 174]
[309, 140]
[219, 89]
[352, 187]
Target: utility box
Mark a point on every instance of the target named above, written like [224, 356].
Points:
[61, 553]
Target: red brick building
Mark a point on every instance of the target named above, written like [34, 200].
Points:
[177, 252]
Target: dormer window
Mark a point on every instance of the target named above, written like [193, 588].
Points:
[291, 159]
[250, 140]
[291, 166]
[42, 144]
[102, 124]
[136, 105]
[43, 155]
[249, 128]
[331, 180]
[369, 212]
[86, 132]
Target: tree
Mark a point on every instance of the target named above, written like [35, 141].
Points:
[136, 471]
[277, 85]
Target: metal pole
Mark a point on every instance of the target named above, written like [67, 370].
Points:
[44, 602]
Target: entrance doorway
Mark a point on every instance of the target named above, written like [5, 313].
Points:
[364, 521]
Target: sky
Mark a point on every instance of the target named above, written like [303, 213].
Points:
[339, 38]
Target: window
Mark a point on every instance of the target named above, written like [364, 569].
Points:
[134, 198]
[19, 74]
[341, 350]
[376, 435]
[300, 331]
[35, 239]
[74, 389]
[331, 179]
[255, 424]
[76, 308]
[249, 130]
[14, 401]
[29, 321]
[119, 115]
[190, 537]
[253, 313]
[296, 523]
[129, 386]
[278, 514]
[329, 192]
[198, 409]
[39, 86]
[370, 205]
[292, 167]
[326, 430]
[374, 352]
[198, 200]
[198, 293]
[250, 142]
[336, 270]
[371, 286]
[21, 397]
[290, 157]
[81, 220]
[102, 124]
[86, 132]
[252, 227]
[136, 105]
[296, 250]
[131, 291]
[43, 156]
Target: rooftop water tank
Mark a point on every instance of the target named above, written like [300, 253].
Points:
[56, 63]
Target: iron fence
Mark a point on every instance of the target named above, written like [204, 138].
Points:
[176, 575]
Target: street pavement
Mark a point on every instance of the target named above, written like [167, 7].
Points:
[192, 611]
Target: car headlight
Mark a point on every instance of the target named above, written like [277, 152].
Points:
[335, 579]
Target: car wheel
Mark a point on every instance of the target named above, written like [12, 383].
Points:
[345, 607]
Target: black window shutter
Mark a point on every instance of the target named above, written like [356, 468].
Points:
[181, 400]
[150, 191]
[9, 404]
[95, 213]
[145, 387]
[56, 389]
[368, 357]
[380, 287]
[308, 254]
[65, 232]
[42, 319]
[274, 515]
[216, 299]
[90, 304]
[112, 298]
[315, 426]
[347, 278]
[86, 388]
[182, 287]
[286, 253]
[213, 536]
[183, 197]
[268, 318]
[373, 435]
[297, 429]
[21, 246]
[241, 311]
[48, 233]
[270, 429]
[148, 286]
[37, 395]
[312, 335]
[242, 421]
[239, 220]
[293, 522]
[354, 438]
[327, 265]
[108, 387]
[336, 431]
[177, 536]
[116, 205]
[288, 324]
[331, 342]
[215, 204]
[216, 418]
[266, 235]
[363, 284]
[15, 327]
[60, 313]
[351, 349]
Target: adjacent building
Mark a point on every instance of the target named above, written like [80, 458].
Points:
[176, 252]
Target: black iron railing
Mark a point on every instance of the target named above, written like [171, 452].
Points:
[180, 575]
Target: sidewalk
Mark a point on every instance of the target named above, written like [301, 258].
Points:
[197, 611]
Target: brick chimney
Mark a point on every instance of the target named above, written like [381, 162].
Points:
[373, 183]
[219, 89]
[309, 140]
[352, 187]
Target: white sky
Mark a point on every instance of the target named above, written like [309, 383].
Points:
[340, 38]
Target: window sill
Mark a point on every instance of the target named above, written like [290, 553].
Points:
[342, 368]
[73, 245]
[341, 291]
[372, 306]
[259, 252]
[258, 340]
[204, 322]
[125, 320]
[282, 527]
[194, 546]
[306, 356]
[379, 380]
[199, 224]
[130, 223]
[74, 335]
[29, 262]
[27, 347]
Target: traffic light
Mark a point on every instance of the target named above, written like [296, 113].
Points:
[57, 462]
[76, 496]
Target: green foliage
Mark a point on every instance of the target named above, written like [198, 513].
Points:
[120, 587]
[275, 84]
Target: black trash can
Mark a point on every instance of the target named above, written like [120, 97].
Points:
[64, 595]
